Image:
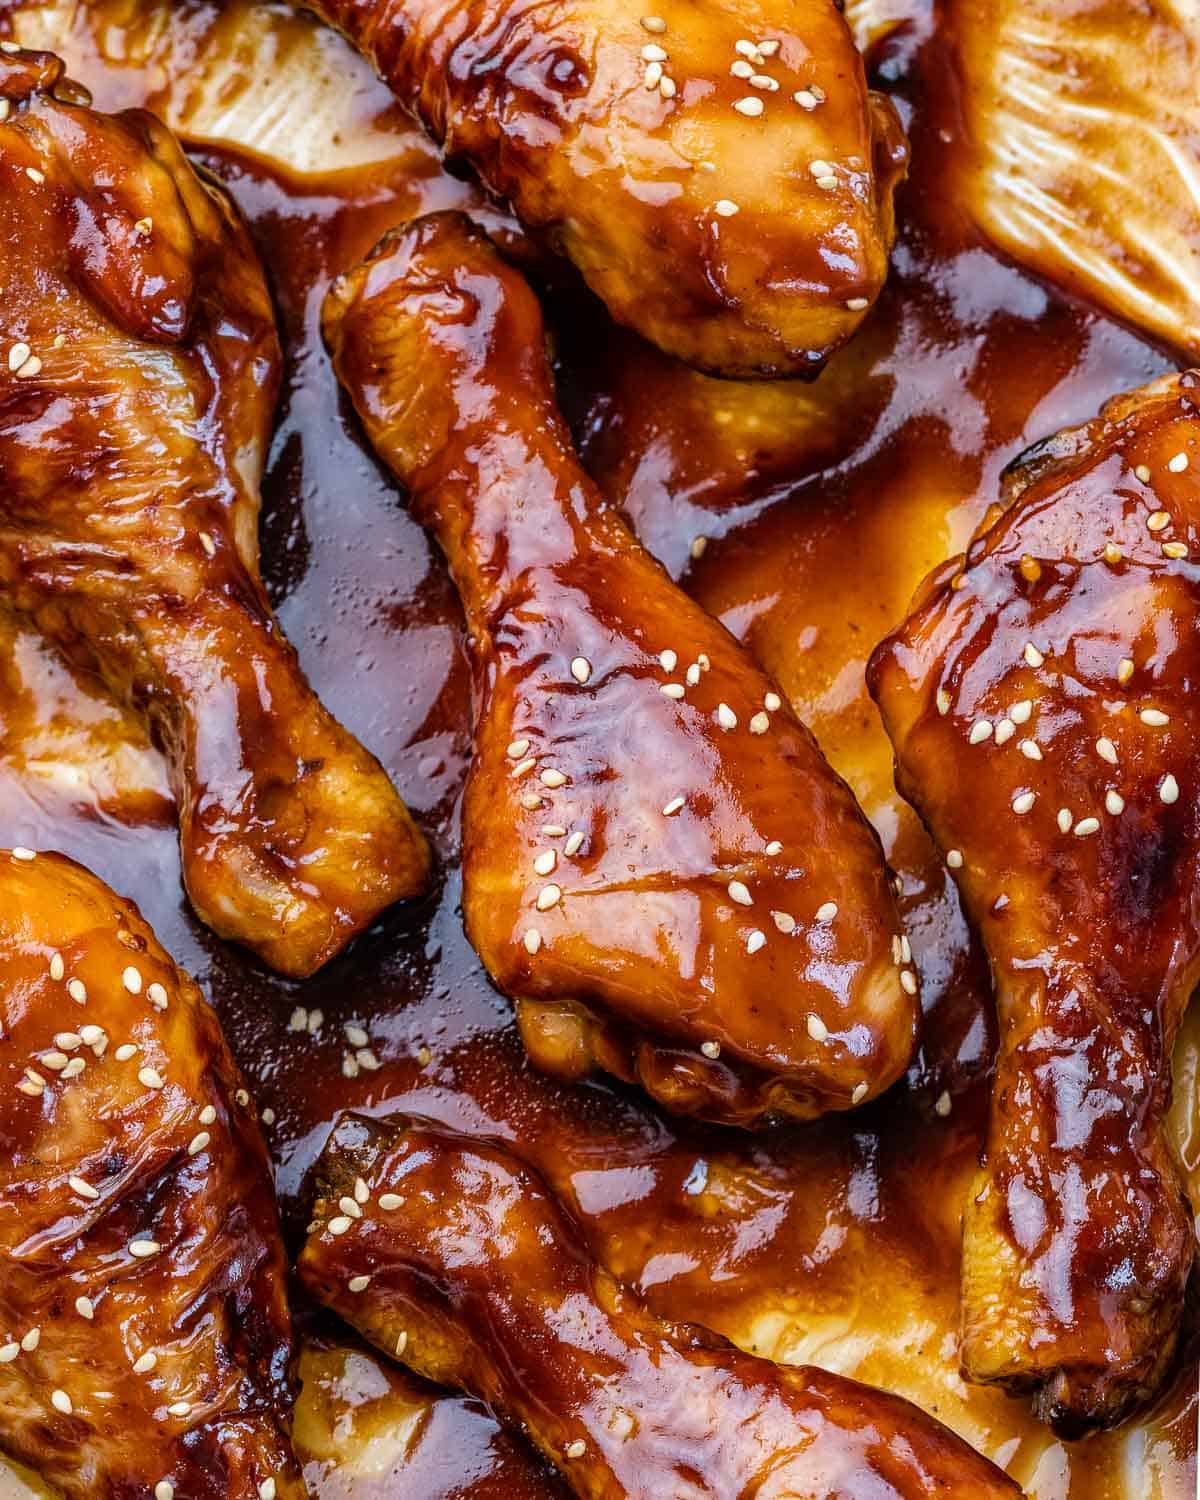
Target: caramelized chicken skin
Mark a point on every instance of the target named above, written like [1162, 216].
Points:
[453, 1255]
[138, 373]
[144, 1330]
[659, 866]
[722, 177]
[1041, 699]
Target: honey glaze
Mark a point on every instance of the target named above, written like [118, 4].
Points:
[821, 507]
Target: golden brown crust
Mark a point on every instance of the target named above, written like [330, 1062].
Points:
[144, 1330]
[659, 865]
[737, 212]
[452, 1254]
[138, 373]
[1068, 634]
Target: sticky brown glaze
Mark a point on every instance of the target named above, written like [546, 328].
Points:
[452, 1254]
[1041, 699]
[723, 178]
[144, 1330]
[138, 371]
[659, 865]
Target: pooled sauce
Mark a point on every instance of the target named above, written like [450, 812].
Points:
[823, 506]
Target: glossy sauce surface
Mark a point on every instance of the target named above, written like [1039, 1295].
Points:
[832, 1242]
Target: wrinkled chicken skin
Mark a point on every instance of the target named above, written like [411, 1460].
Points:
[453, 1255]
[1069, 636]
[722, 178]
[138, 373]
[659, 865]
[144, 1330]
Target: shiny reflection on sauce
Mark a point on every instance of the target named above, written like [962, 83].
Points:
[838, 1241]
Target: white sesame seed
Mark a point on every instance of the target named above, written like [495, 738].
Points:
[1005, 730]
[858, 304]
[57, 968]
[34, 176]
[340, 1224]
[89, 1035]
[125, 1051]
[359, 1283]
[741, 68]
[699, 543]
[145, 1363]
[652, 76]
[573, 845]
[1030, 749]
[745, 48]
[516, 749]
[772, 702]
[672, 690]
[553, 830]
[711, 1049]
[828, 183]
[179, 1408]
[827, 911]
[908, 981]
[726, 207]
[704, 662]
[1106, 750]
[1019, 713]
[208, 544]
[9, 1352]
[769, 48]
[553, 778]
[144, 1249]
[668, 660]
[77, 991]
[954, 859]
[1124, 670]
[157, 996]
[740, 892]
[31, 1340]
[1064, 819]
[355, 1035]
[666, 87]
[150, 1078]
[652, 52]
[1158, 520]
[1154, 717]
[763, 81]
[57, 1061]
[532, 941]
[81, 1186]
[208, 1114]
[349, 1066]
[784, 921]
[672, 807]
[21, 853]
[581, 669]
[83, 1306]
[759, 724]
[774, 847]
[905, 948]
[164, 1490]
[1114, 803]
[576, 1449]
[749, 106]
[74, 1067]
[298, 1020]
[198, 1142]
[817, 1028]
[17, 356]
[1086, 826]
[365, 1059]
[1178, 463]
[805, 98]
[981, 730]
[755, 941]
[530, 801]
[389, 1202]
[132, 980]
[1168, 790]
[1032, 655]
[548, 896]
[1142, 472]
[523, 768]
[1174, 549]
[726, 717]
[266, 1490]
[942, 700]
[654, 24]
[942, 1104]
[60, 1401]
[1023, 802]
[859, 1094]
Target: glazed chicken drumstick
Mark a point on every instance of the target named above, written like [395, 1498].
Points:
[659, 865]
[138, 373]
[1041, 700]
[721, 175]
[453, 1255]
[144, 1330]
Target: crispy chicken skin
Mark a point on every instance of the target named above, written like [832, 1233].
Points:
[724, 180]
[138, 374]
[452, 1254]
[659, 865]
[1041, 700]
[144, 1330]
